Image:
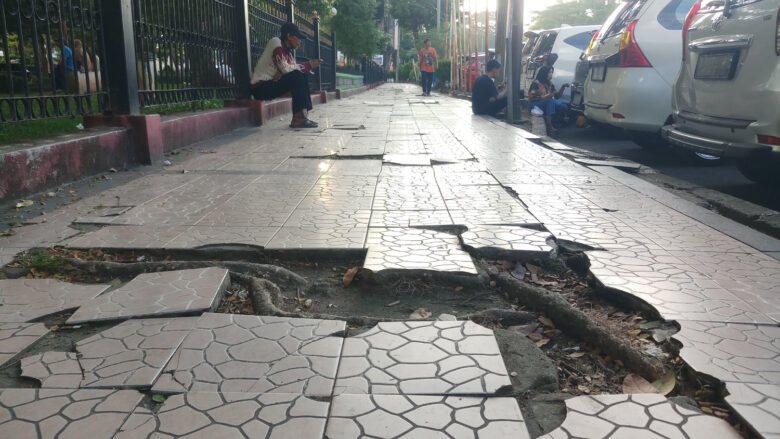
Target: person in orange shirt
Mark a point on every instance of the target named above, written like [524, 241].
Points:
[429, 62]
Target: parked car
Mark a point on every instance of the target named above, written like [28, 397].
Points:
[634, 61]
[560, 48]
[727, 96]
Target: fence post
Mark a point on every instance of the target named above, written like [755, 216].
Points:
[289, 9]
[334, 66]
[121, 59]
[317, 50]
[243, 63]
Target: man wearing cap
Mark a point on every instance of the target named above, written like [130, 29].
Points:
[277, 73]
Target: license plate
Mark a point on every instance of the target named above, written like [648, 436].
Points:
[720, 65]
[598, 72]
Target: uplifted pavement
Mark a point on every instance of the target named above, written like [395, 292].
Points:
[416, 182]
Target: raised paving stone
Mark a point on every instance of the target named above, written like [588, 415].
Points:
[197, 415]
[320, 237]
[758, 405]
[127, 237]
[415, 249]
[506, 241]
[436, 358]
[636, 416]
[408, 416]
[15, 337]
[157, 294]
[409, 218]
[22, 300]
[243, 353]
[732, 352]
[64, 413]
[54, 369]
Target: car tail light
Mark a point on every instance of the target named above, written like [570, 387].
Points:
[769, 140]
[593, 41]
[618, 116]
[688, 20]
[630, 53]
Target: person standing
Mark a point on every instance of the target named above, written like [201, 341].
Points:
[277, 73]
[429, 63]
[485, 97]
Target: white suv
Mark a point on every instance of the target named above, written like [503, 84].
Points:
[634, 60]
[727, 97]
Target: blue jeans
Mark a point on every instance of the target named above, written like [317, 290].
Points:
[427, 81]
[549, 106]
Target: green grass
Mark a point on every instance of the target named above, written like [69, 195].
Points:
[12, 132]
[167, 109]
[347, 75]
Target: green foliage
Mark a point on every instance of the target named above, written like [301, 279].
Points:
[415, 15]
[404, 70]
[33, 129]
[322, 7]
[574, 13]
[443, 74]
[415, 43]
[358, 35]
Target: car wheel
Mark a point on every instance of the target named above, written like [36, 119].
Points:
[648, 140]
[761, 171]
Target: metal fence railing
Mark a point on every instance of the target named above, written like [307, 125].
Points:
[328, 56]
[265, 19]
[51, 59]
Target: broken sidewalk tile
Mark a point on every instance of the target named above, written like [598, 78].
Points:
[650, 416]
[500, 242]
[743, 353]
[409, 218]
[758, 405]
[415, 249]
[639, 261]
[513, 213]
[319, 237]
[329, 218]
[23, 300]
[64, 413]
[53, 369]
[396, 416]
[158, 294]
[623, 165]
[200, 236]
[294, 166]
[244, 353]
[126, 237]
[409, 358]
[230, 416]
[16, 337]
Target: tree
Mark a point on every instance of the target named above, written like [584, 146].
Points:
[356, 29]
[415, 15]
[574, 13]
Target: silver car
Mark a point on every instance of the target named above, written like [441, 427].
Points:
[727, 96]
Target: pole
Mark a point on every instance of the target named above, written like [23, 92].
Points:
[514, 62]
[487, 29]
[289, 9]
[121, 59]
[438, 14]
[334, 67]
[317, 50]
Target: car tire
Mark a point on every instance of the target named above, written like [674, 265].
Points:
[648, 140]
[761, 171]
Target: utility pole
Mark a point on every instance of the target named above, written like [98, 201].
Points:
[438, 14]
[514, 64]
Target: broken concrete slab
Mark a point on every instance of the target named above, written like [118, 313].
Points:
[439, 358]
[53, 369]
[23, 300]
[506, 242]
[158, 294]
[407, 159]
[415, 249]
[16, 337]
[758, 405]
[622, 165]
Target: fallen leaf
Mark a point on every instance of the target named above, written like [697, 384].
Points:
[308, 303]
[666, 383]
[518, 272]
[394, 303]
[9, 232]
[546, 321]
[524, 329]
[24, 203]
[158, 398]
[583, 389]
[54, 328]
[542, 342]
[577, 355]
[458, 288]
[419, 314]
[350, 275]
[633, 332]
[634, 383]
[535, 336]
[116, 282]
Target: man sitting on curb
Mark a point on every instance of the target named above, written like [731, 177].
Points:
[277, 73]
[485, 98]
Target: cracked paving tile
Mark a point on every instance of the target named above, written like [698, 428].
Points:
[54, 369]
[524, 178]
[64, 413]
[16, 337]
[407, 159]
[409, 218]
[408, 416]
[356, 167]
[506, 241]
[243, 353]
[513, 213]
[22, 300]
[303, 166]
[732, 352]
[451, 179]
[320, 236]
[126, 237]
[405, 197]
[198, 415]
[437, 358]
[639, 261]
[158, 294]
[415, 249]
[758, 405]
[199, 236]
[338, 202]
[645, 416]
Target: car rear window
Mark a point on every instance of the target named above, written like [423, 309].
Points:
[672, 16]
[529, 45]
[625, 13]
[545, 43]
[580, 41]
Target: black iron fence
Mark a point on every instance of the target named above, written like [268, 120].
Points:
[372, 72]
[55, 62]
[51, 59]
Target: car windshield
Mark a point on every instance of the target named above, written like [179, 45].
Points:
[624, 14]
[545, 43]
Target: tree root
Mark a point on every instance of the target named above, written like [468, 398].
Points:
[577, 324]
[503, 316]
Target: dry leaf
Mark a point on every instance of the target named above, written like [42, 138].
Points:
[25, 203]
[419, 314]
[633, 332]
[666, 383]
[393, 303]
[636, 384]
[546, 321]
[459, 288]
[350, 275]
[577, 355]
[308, 303]
[542, 342]
[535, 336]
[583, 389]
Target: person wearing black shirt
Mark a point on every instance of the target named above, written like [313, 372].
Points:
[485, 97]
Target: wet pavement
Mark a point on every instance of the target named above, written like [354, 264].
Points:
[416, 184]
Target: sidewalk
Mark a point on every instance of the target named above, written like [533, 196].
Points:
[395, 176]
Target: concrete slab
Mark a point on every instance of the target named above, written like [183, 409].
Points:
[503, 242]
[758, 405]
[415, 249]
[16, 337]
[55, 370]
[23, 300]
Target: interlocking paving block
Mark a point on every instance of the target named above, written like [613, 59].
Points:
[320, 237]
[415, 249]
[500, 241]
[758, 405]
[408, 416]
[22, 300]
[64, 413]
[200, 236]
[54, 369]
[636, 416]
[439, 358]
[157, 294]
[126, 237]
[392, 196]
[230, 416]
[513, 213]
[15, 337]
[243, 353]
[409, 218]
[639, 261]
[732, 352]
